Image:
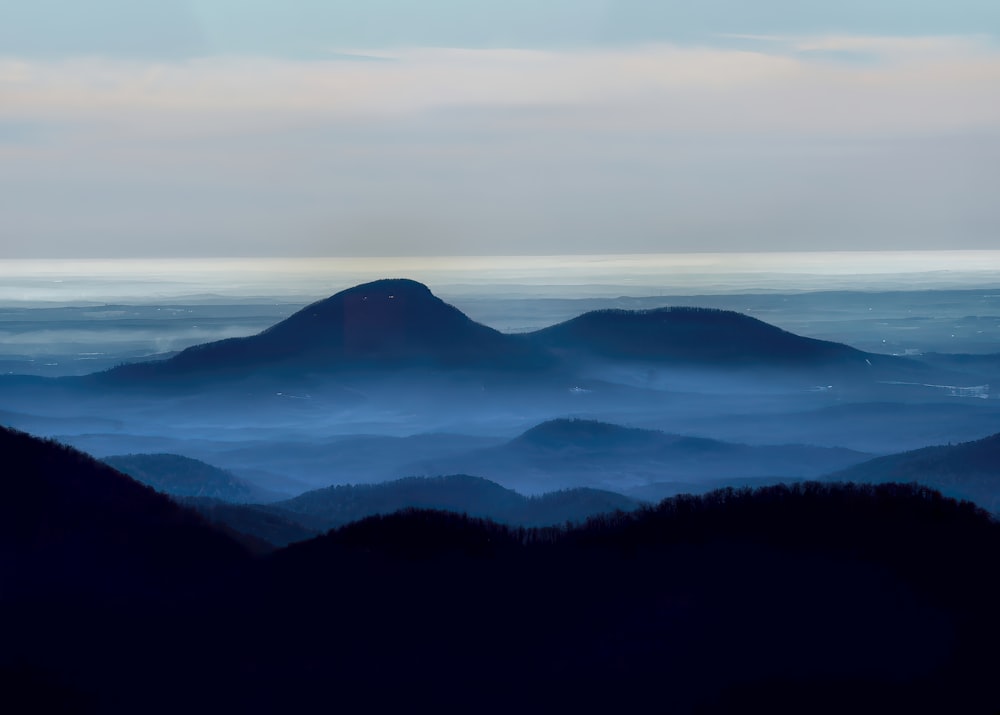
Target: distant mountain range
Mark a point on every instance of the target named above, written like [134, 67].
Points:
[398, 323]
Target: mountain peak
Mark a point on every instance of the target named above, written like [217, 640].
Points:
[392, 322]
[389, 287]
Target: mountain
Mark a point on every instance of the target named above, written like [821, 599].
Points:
[182, 476]
[399, 324]
[564, 453]
[970, 470]
[323, 509]
[390, 323]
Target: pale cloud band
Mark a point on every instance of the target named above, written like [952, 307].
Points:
[789, 84]
[765, 143]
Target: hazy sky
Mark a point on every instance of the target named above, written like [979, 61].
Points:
[394, 127]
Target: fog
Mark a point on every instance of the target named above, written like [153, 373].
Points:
[290, 435]
[643, 425]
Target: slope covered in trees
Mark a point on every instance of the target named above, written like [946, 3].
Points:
[970, 470]
[810, 598]
[284, 522]
[70, 522]
[567, 453]
[182, 476]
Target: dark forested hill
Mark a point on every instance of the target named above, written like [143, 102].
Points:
[970, 470]
[818, 598]
[70, 522]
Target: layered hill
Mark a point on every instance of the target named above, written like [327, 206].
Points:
[565, 453]
[970, 470]
[320, 510]
[335, 506]
[182, 476]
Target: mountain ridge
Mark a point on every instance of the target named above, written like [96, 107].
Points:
[398, 322]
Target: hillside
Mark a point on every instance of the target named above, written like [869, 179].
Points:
[701, 336]
[566, 453]
[970, 470]
[70, 522]
[323, 509]
[820, 598]
[177, 475]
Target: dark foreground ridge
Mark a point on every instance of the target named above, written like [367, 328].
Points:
[70, 522]
[815, 598]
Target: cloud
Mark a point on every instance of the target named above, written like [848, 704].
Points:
[779, 143]
[913, 84]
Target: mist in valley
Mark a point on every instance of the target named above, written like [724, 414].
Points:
[620, 411]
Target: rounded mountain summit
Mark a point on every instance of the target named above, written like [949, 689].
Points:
[391, 323]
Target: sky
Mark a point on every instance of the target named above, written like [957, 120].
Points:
[190, 128]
